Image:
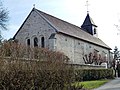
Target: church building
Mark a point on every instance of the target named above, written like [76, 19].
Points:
[46, 31]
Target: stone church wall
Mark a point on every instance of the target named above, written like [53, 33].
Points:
[75, 49]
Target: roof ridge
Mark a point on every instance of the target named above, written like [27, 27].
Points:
[58, 18]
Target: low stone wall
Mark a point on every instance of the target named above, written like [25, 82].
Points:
[87, 66]
[76, 66]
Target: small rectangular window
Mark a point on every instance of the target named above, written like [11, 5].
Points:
[94, 30]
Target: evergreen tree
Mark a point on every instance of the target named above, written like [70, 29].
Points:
[116, 53]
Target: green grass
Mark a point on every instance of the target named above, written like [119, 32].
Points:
[91, 84]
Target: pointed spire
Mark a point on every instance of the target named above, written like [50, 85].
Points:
[88, 20]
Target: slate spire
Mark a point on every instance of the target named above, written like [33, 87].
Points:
[89, 26]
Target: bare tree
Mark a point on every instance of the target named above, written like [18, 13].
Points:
[3, 17]
[95, 58]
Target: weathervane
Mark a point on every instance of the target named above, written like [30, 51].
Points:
[87, 4]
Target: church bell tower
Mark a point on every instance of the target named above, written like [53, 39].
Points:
[88, 24]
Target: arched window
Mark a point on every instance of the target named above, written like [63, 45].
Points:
[35, 42]
[42, 42]
[28, 42]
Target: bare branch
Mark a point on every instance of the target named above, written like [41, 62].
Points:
[3, 17]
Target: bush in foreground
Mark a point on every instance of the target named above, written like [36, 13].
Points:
[93, 74]
[25, 68]
[20, 75]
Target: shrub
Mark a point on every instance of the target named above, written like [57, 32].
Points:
[16, 51]
[93, 74]
[35, 75]
[25, 68]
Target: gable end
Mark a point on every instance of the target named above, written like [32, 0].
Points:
[39, 15]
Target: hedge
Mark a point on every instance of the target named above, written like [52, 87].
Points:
[93, 74]
[45, 76]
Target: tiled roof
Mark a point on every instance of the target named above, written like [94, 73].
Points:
[64, 27]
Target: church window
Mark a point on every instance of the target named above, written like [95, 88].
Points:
[28, 42]
[89, 46]
[96, 50]
[35, 42]
[94, 30]
[42, 42]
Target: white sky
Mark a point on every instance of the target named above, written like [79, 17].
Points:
[105, 14]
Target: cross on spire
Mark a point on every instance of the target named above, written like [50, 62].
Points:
[33, 5]
[87, 4]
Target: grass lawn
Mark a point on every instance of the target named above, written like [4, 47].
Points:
[91, 84]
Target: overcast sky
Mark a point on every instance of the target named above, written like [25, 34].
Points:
[105, 14]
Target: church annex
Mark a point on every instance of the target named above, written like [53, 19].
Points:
[46, 31]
